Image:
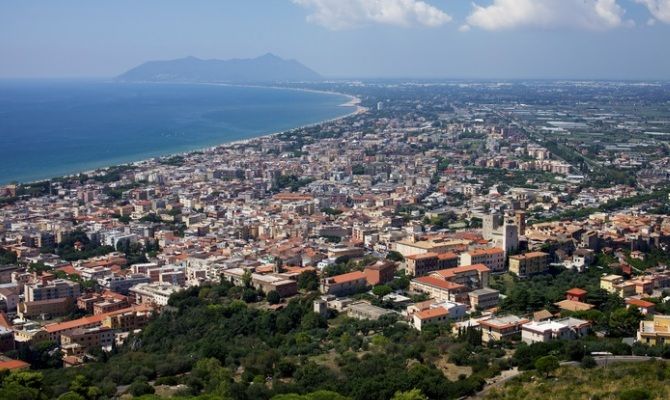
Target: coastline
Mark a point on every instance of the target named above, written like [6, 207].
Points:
[353, 102]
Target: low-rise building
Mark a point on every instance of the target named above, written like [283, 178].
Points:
[365, 310]
[501, 328]
[483, 299]
[348, 283]
[655, 332]
[558, 329]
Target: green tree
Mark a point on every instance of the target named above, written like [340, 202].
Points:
[546, 365]
[273, 297]
[381, 290]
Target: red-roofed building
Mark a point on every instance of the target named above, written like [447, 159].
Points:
[576, 294]
[10, 364]
[645, 307]
[348, 283]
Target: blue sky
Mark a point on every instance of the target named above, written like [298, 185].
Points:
[605, 39]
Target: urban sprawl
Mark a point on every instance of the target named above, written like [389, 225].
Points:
[515, 213]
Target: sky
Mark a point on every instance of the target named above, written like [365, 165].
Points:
[492, 39]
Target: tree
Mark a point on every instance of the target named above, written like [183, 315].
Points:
[546, 365]
[394, 256]
[139, 388]
[624, 322]
[308, 280]
[381, 290]
[414, 394]
[246, 278]
[273, 297]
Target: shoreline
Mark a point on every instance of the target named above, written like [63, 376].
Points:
[353, 102]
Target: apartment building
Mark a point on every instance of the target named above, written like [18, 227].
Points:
[529, 264]
[493, 258]
[54, 289]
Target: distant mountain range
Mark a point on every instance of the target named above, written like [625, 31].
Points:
[266, 68]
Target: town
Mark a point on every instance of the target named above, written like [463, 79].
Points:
[497, 215]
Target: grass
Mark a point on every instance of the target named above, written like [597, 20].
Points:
[613, 382]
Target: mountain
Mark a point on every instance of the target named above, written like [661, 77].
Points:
[266, 68]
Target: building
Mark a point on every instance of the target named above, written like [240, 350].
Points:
[430, 312]
[78, 341]
[483, 299]
[122, 284]
[501, 328]
[503, 232]
[616, 284]
[559, 329]
[645, 307]
[380, 272]
[655, 332]
[423, 264]
[452, 284]
[409, 248]
[365, 310]
[45, 308]
[529, 264]
[344, 284]
[576, 294]
[153, 293]
[493, 258]
[54, 289]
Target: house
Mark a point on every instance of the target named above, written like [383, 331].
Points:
[365, 310]
[616, 284]
[431, 312]
[348, 283]
[501, 328]
[645, 307]
[573, 306]
[559, 329]
[656, 332]
[576, 294]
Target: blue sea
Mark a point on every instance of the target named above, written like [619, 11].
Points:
[54, 128]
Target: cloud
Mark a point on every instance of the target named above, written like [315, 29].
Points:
[344, 14]
[660, 9]
[581, 14]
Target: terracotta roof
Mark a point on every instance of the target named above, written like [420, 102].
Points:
[438, 283]
[640, 303]
[572, 305]
[351, 276]
[576, 292]
[432, 313]
[478, 252]
[450, 272]
[447, 256]
[13, 364]
[422, 256]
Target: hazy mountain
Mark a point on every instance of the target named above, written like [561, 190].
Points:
[266, 68]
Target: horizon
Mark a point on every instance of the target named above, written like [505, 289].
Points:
[347, 39]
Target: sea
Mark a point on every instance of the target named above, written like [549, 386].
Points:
[51, 128]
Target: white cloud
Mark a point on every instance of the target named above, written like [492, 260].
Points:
[582, 14]
[343, 14]
[660, 9]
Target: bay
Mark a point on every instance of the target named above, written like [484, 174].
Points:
[54, 128]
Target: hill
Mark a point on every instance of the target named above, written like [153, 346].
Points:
[266, 68]
[644, 381]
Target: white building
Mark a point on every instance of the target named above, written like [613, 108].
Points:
[559, 329]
